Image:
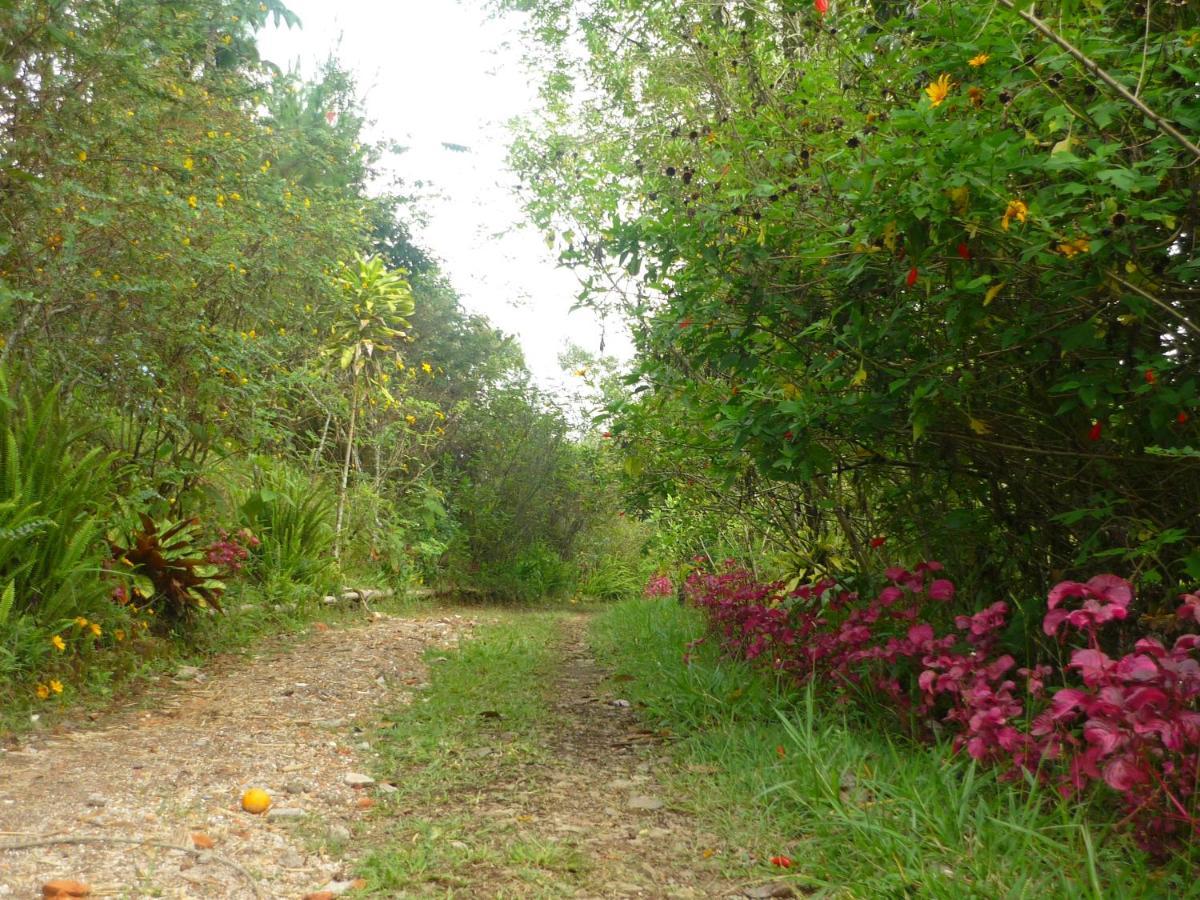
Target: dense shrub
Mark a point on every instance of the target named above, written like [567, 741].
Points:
[1128, 722]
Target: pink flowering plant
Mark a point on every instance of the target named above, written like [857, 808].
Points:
[1127, 724]
[660, 586]
[231, 551]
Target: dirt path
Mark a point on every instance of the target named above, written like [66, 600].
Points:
[599, 791]
[297, 722]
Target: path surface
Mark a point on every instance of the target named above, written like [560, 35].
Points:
[595, 793]
[296, 722]
[292, 722]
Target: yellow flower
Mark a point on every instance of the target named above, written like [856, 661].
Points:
[211, 135]
[976, 61]
[939, 90]
[1070, 248]
[81, 621]
[1016, 209]
[83, 156]
[56, 685]
[192, 201]
[221, 200]
[266, 165]
[42, 691]
[439, 416]
[58, 642]
[119, 634]
[427, 368]
[235, 196]
[188, 163]
[411, 420]
[96, 629]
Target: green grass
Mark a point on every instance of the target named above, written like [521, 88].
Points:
[481, 722]
[861, 813]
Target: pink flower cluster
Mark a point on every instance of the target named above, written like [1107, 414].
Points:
[660, 586]
[1131, 723]
[230, 551]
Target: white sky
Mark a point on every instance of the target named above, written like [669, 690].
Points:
[434, 71]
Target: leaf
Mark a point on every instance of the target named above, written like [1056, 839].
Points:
[978, 426]
[860, 378]
[992, 292]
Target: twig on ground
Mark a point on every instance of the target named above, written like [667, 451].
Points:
[162, 845]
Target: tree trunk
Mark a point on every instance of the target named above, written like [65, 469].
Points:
[341, 505]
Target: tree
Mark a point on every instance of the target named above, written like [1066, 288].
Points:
[371, 319]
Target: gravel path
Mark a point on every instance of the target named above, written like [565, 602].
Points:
[294, 722]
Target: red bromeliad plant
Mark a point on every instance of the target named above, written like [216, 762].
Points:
[1130, 723]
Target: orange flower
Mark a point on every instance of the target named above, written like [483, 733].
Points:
[1070, 248]
[1016, 209]
[939, 90]
[976, 61]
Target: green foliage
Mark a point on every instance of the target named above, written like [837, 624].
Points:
[916, 276]
[54, 497]
[293, 517]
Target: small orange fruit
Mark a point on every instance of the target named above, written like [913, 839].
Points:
[256, 801]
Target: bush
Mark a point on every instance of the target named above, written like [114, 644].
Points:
[291, 513]
[1128, 725]
[53, 500]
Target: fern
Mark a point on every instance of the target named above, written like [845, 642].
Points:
[6, 602]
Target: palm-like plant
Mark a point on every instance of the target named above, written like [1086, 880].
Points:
[372, 319]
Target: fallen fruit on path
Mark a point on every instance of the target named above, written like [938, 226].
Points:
[784, 862]
[202, 841]
[62, 887]
[256, 801]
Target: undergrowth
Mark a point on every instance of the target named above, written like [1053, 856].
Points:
[857, 811]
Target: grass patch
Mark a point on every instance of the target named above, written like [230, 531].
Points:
[480, 722]
[861, 813]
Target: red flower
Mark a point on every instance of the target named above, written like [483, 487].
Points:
[787, 435]
[686, 322]
[821, 6]
[1095, 431]
[1182, 418]
[878, 542]
[912, 277]
[964, 251]
[784, 862]
[607, 434]
[1150, 376]
[779, 751]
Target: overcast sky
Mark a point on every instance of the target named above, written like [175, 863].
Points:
[434, 72]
